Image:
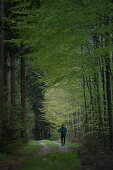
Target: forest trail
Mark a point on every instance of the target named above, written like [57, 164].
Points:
[50, 155]
[51, 148]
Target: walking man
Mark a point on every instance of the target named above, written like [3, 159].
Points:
[63, 131]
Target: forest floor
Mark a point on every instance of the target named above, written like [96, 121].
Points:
[50, 155]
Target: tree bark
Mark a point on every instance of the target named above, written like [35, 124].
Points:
[85, 104]
[12, 80]
[7, 83]
[1, 67]
[23, 100]
[108, 89]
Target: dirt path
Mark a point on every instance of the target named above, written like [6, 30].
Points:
[43, 150]
[87, 162]
[49, 149]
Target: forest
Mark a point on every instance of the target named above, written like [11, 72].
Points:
[56, 67]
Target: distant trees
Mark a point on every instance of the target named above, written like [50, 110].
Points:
[35, 93]
[16, 113]
[75, 52]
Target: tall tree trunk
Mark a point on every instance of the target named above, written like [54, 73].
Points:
[85, 104]
[23, 100]
[100, 122]
[92, 102]
[102, 70]
[7, 75]
[108, 89]
[12, 80]
[1, 67]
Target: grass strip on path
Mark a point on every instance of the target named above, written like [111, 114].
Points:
[69, 143]
[54, 161]
[29, 148]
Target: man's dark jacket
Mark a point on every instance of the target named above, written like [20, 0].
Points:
[63, 131]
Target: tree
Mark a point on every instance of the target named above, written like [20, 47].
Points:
[1, 66]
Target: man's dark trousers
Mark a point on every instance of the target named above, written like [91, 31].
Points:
[63, 140]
